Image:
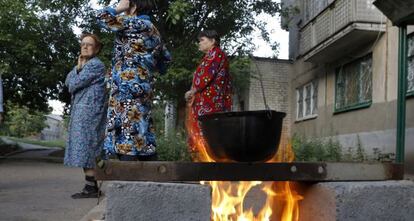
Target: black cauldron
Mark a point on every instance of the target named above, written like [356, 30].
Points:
[245, 136]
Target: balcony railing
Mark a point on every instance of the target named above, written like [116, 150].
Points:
[336, 17]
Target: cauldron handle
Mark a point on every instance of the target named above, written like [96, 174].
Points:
[269, 112]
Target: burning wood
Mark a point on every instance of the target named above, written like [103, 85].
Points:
[228, 201]
[228, 197]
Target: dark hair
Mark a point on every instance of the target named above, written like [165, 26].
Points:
[212, 34]
[143, 6]
[95, 38]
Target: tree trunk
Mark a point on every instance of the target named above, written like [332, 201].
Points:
[170, 118]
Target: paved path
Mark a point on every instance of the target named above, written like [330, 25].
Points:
[26, 146]
[33, 152]
[33, 190]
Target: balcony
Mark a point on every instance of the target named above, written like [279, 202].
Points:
[344, 26]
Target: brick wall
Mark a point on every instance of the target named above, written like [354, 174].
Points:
[275, 75]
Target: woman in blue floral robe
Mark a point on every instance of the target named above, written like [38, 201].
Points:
[137, 46]
[86, 83]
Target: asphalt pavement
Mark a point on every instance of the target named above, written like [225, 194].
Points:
[34, 186]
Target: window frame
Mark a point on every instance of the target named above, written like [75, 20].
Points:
[313, 101]
[359, 105]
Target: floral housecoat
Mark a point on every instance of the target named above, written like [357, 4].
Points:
[129, 129]
[212, 83]
[87, 118]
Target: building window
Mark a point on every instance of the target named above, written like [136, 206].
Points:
[354, 85]
[307, 101]
[410, 74]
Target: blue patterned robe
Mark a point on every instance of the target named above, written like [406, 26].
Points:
[129, 129]
[88, 114]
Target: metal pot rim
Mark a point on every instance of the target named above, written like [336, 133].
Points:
[240, 114]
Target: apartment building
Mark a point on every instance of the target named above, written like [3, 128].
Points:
[344, 74]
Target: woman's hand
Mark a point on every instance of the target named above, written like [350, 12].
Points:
[189, 95]
[122, 6]
[81, 62]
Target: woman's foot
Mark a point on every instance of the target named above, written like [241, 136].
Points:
[87, 192]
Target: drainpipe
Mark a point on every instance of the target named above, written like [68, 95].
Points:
[402, 89]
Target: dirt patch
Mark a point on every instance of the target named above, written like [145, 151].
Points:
[7, 148]
[57, 153]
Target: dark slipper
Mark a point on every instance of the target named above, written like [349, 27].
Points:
[84, 194]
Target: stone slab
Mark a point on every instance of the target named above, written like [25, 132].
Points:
[365, 201]
[131, 201]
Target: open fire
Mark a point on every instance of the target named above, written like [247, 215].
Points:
[228, 201]
[228, 197]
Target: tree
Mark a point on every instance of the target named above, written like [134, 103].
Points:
[38, 46]
[23, 122]
[37, 49]
[180, 21]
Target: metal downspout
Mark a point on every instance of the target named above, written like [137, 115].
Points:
[402, 88]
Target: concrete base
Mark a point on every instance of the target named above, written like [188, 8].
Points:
[131, 201]
[334, 201]
[365, 201]
[97, 213]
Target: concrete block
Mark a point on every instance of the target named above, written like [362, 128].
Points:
[97, 213]
[131, 201]
[365, 201]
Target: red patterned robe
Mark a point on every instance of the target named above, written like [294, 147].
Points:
[212, 83]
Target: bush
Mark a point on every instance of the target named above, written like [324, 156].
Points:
[316, 149]
[173, 148]
[23, 122]
[169, 148]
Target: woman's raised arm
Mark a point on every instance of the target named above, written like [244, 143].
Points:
[110, 19]
[93, 71]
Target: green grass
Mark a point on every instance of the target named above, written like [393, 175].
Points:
[52, 143]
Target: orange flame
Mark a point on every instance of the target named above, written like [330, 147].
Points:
[198, 146]
[228, 198]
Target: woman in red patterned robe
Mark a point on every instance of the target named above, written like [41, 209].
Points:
[211, 88]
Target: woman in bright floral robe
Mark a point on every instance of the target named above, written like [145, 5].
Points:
[211, 87]
[137, 46]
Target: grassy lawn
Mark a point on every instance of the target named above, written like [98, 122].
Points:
[52, 143]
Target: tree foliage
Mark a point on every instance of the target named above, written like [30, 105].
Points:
[38, 46]
[180, 22]
[23, 122]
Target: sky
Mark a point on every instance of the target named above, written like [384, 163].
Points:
[277, 34]
[262, 50]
